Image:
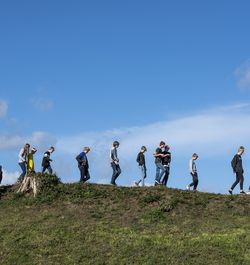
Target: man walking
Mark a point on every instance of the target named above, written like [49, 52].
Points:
[160, 169]
[142, 166]
[193, 172]
[46, 161]
[115, 162]
[237, 166]
[83, 165]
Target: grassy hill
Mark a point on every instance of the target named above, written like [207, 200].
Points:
[98, 224]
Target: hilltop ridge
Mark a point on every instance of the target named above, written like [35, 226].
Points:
[102, 224]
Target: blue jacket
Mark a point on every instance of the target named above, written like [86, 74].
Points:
[82, 160]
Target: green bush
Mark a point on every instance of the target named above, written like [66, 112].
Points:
[49, 187]
[48, 181]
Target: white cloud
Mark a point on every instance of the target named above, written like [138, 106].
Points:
[43, 104]
[9, 178]
[3, 108]
[41, 140]
[243, 75]
[216, 128]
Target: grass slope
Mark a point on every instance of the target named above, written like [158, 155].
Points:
[97, 224]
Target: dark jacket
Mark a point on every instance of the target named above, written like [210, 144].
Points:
[166, 160]
[158, 159]
[141, 159]
[237, 164]
[1, 174]
[46, 159]
[82, 160]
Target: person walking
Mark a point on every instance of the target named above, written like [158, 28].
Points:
[31, 164]
[237, 166]
[160, 169]
[23, 155]
[166, 160]
[142, 166]
[83, 164]
[114, 160]
[1, 174]
[46, 161]
[193, 172]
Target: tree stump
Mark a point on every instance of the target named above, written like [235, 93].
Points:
[29, 183]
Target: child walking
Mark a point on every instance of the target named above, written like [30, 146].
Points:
[114, 160]
[83, 164]
[160, 169]
[46, 161]
[193, 172]
[142, 166]
[23, 156]
[31, 164]
[166, 160]
[238, 170]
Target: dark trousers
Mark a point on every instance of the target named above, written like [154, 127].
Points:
[49, 168]
[165, 178]
[239, 179]
[195, 180]
[84, 171]
[1, 177]
[116, 172]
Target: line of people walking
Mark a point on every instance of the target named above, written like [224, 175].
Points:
[162, 157]
[162, 162]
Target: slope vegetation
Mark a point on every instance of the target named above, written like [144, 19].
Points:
[98, 224]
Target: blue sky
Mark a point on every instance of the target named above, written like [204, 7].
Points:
[76, 73]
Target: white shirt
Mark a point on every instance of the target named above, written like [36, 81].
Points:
[22, 158]
[192, 166]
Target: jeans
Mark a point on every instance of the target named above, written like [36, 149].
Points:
[165, 178]
[116, 172]
[143, 174]
[160, 171]
[239, 179]
[84, 174]
[195, 180]
[49, 168]
[24, 170]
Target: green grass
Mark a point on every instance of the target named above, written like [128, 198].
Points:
[98, 224]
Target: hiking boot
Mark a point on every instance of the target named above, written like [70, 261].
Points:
[230, 191]
[242, 192]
